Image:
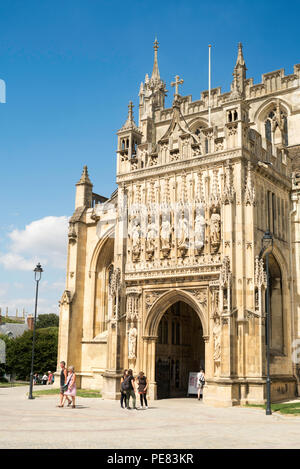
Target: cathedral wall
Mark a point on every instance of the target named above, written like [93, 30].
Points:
[76, 283]
[198, 200]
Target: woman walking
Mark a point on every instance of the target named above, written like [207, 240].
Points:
[142, 383]
[122, 390]
[71, 391]
[63, 381]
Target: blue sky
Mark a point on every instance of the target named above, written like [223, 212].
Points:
[70, 68]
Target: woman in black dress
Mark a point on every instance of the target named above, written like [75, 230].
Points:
[142, 383]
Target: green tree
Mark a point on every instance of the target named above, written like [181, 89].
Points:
[3, 366]
[47, 320]
[18, 353]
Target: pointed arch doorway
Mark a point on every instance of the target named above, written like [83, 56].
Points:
[179, 350]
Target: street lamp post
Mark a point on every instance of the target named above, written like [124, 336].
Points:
[267, 246]
[37, 277]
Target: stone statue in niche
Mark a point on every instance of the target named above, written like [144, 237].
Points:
[135, 234]
[150, 237]
[165, 235]
[132, 338]
[217, 339]
[215, 230]
[183, 235]
[199, 230]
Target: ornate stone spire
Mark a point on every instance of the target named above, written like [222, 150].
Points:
[239, 75]
[130, 124]
[240, 58]
[154, 89]
[84, 188]
[155, 72]
[85, 177]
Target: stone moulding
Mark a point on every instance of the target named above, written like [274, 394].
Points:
[172, 273]
[186, 164]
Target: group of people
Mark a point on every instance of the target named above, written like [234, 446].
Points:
[67, 385]
[47, 378]
[128, 389]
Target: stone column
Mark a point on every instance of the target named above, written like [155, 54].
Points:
[149, 364]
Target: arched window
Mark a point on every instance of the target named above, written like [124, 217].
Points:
[163, 331]
[276, 127]
[268, 131]
[276, 307]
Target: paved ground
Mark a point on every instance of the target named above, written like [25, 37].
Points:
[171, 423]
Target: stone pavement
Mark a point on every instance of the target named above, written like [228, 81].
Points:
[170, 424]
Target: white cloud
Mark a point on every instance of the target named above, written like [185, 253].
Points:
[43, 241]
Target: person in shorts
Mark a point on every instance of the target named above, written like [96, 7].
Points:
[200, 384]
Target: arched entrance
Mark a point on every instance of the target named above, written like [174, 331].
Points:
[179, 350]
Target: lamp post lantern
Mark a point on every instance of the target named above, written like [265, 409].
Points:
[267, 246]
[37, 277]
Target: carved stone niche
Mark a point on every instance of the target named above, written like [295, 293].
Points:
[133, 303]
[153, 159]
[134, 163]
[219, 144]
[174, 154]
[196, 149]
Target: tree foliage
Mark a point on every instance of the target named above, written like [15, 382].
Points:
[47, 320]
[3, 366]
[18, 352]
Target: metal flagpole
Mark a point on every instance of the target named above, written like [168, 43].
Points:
[209, 85]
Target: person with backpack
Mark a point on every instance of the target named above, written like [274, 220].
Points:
[200, 383]
[129, 388]
[123, 391]
[142, 383]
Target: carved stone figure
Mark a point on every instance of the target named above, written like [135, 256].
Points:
[165, 235]
[217, 339]
[199, 230]
[135, 234]
[132, 338]
[215, 230]
[150, 238]
[183, 235]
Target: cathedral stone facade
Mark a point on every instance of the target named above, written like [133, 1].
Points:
[168, 274]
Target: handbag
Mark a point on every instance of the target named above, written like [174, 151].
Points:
[65, 387]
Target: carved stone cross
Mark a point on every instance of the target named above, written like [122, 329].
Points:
[176, 83]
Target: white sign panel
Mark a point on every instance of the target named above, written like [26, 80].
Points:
[192, 387]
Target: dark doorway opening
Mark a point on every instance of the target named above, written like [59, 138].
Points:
[179, 350]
